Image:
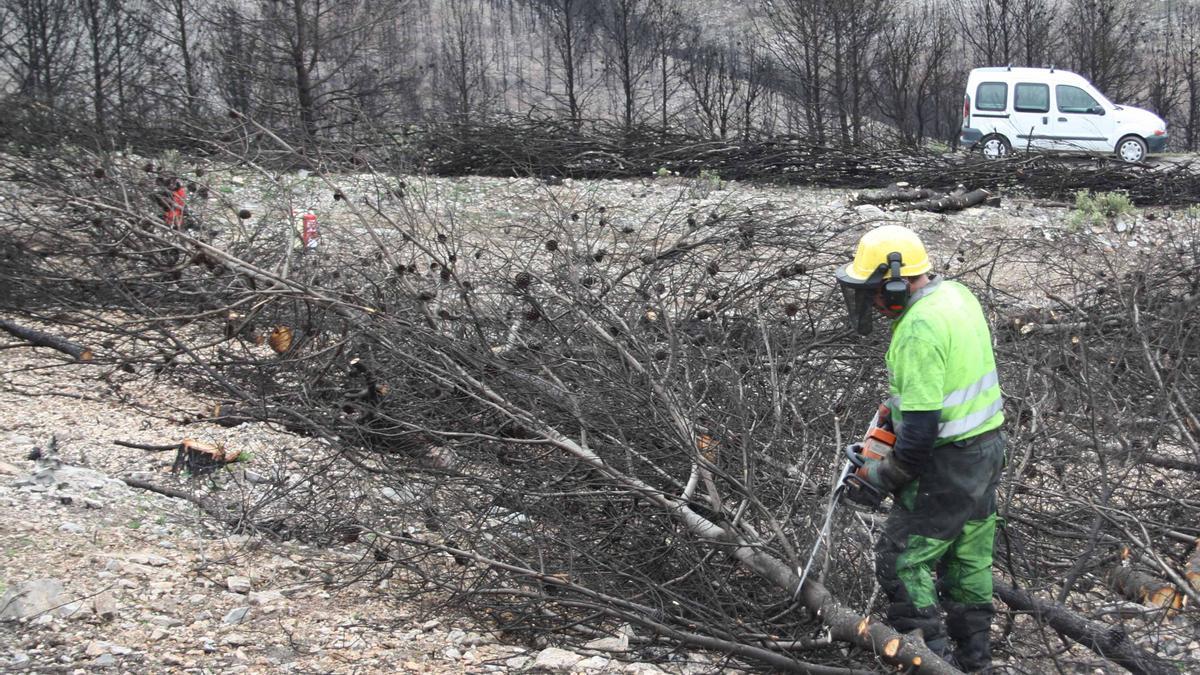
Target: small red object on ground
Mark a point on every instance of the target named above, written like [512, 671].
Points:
[310, 236]
[174, 214]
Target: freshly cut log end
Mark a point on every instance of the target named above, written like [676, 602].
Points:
[1141, 587]
[217, 452]
[891, 648]
[1165, 597]
[202, 458]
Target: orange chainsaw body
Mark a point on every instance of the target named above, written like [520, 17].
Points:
[878, 443]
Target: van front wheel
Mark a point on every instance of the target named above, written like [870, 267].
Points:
[995, 146]
[1131, 149]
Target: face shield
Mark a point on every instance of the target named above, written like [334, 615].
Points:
[862, 297]
[860, 302]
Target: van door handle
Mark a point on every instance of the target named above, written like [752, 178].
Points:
[1045, 120]
[1062, 119]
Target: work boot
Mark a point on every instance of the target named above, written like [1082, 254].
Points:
[905, 619]
[940, 645]
[970, 628]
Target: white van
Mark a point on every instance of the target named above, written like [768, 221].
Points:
[1009, 109]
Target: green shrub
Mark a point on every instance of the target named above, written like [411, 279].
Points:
[710, 176]
[1099, 209]
[704, 183]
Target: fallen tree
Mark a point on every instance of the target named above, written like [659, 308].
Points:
[1108, 641]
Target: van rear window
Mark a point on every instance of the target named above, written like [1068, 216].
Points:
[1029, 97]
[991, 96]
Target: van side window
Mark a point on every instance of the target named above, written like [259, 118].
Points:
[991, 96]
[1073, 99]
[1029, 97]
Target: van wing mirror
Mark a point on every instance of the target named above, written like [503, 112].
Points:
[1096, 110]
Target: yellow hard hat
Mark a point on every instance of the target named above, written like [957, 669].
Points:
[874, 249]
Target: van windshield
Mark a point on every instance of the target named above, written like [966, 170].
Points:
[1074, 100]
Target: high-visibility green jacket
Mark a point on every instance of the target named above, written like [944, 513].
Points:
[940, 358]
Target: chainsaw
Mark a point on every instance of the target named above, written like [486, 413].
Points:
[877, 443]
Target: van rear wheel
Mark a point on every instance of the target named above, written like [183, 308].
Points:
[995, 146]
[1131, 149]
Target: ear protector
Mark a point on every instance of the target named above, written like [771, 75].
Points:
[895, 289]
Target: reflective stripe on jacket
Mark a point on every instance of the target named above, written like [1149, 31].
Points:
[940, 358]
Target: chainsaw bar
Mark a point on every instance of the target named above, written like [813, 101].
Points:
[846, 476]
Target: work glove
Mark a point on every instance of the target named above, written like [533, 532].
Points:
[886, 475]
[855, 488]
[872, 479]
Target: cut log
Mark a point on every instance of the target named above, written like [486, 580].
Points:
[40, 339]
[201, 458]
[1169, 463]
[844, 624]
[951, 202]
[1110, 642]
[1141, 587]
[899, 192]
[193, 456]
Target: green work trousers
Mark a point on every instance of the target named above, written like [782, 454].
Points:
[945, 521]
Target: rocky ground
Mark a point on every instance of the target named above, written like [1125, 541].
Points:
[491, 214]
[99, 575]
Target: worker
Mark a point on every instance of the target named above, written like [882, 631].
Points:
[946, 410]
